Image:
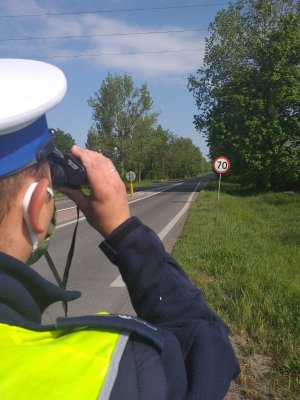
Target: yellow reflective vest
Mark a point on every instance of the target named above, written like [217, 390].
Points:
[73, 364]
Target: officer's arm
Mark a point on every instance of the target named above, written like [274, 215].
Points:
[162, 294]
[160, 290]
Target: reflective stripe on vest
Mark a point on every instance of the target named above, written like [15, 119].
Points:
[56, 365]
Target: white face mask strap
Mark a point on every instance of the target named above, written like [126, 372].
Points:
[26, 202]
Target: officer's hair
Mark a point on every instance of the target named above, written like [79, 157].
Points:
[10, 186]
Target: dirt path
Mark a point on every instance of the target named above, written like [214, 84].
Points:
[252, 384]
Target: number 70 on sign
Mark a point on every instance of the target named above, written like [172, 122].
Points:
[221, 165]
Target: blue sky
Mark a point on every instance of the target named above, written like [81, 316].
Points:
[160, 60]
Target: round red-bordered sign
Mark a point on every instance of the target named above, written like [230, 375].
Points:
[221, 165]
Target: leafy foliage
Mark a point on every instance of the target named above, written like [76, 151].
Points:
[248, 91]
[126, 131]
[64, 141]
[118, 108]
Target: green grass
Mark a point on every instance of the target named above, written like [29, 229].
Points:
[243, 251]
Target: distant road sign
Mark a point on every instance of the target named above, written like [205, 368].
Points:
[130, 176]
[221, 165]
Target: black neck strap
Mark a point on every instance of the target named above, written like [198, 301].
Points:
[63, 282]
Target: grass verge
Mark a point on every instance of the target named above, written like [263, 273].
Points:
[243, 252]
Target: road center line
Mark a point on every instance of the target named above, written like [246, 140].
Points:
[119, 281]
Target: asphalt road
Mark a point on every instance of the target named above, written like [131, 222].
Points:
[163, 208]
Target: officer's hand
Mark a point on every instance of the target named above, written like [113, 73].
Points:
[107, 206]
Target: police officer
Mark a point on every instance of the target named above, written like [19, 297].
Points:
[176, 348]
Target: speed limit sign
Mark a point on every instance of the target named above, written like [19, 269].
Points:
[221, 165]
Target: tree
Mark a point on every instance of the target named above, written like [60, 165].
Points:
[159, 162]
[248, 91]
[186, 159]
[93, 141]
[64, 141]
[139, 147]
[118, 109]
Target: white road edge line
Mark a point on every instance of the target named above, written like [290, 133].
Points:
[70, 223]
[133, 201]
[119, 281]
[162, 234]
[65, 209]
[62, 200]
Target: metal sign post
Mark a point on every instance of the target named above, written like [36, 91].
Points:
[219, 186]
[221, 165]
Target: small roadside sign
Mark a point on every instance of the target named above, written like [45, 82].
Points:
[130, 176]
[221, 165]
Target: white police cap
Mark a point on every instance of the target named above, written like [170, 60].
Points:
[28, 89]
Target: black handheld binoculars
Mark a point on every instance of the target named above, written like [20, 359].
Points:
[66, 170]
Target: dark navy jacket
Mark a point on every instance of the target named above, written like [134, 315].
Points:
[182, 352]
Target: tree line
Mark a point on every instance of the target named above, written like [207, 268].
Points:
[248, 91]
[125, 129]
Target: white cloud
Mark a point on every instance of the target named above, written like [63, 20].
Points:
[151, 61]
[19, 7]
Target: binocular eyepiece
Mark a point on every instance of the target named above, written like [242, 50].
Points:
[66, 170]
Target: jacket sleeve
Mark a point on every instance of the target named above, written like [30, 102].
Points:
[162, 294]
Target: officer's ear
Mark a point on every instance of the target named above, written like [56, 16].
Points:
[39, 210]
